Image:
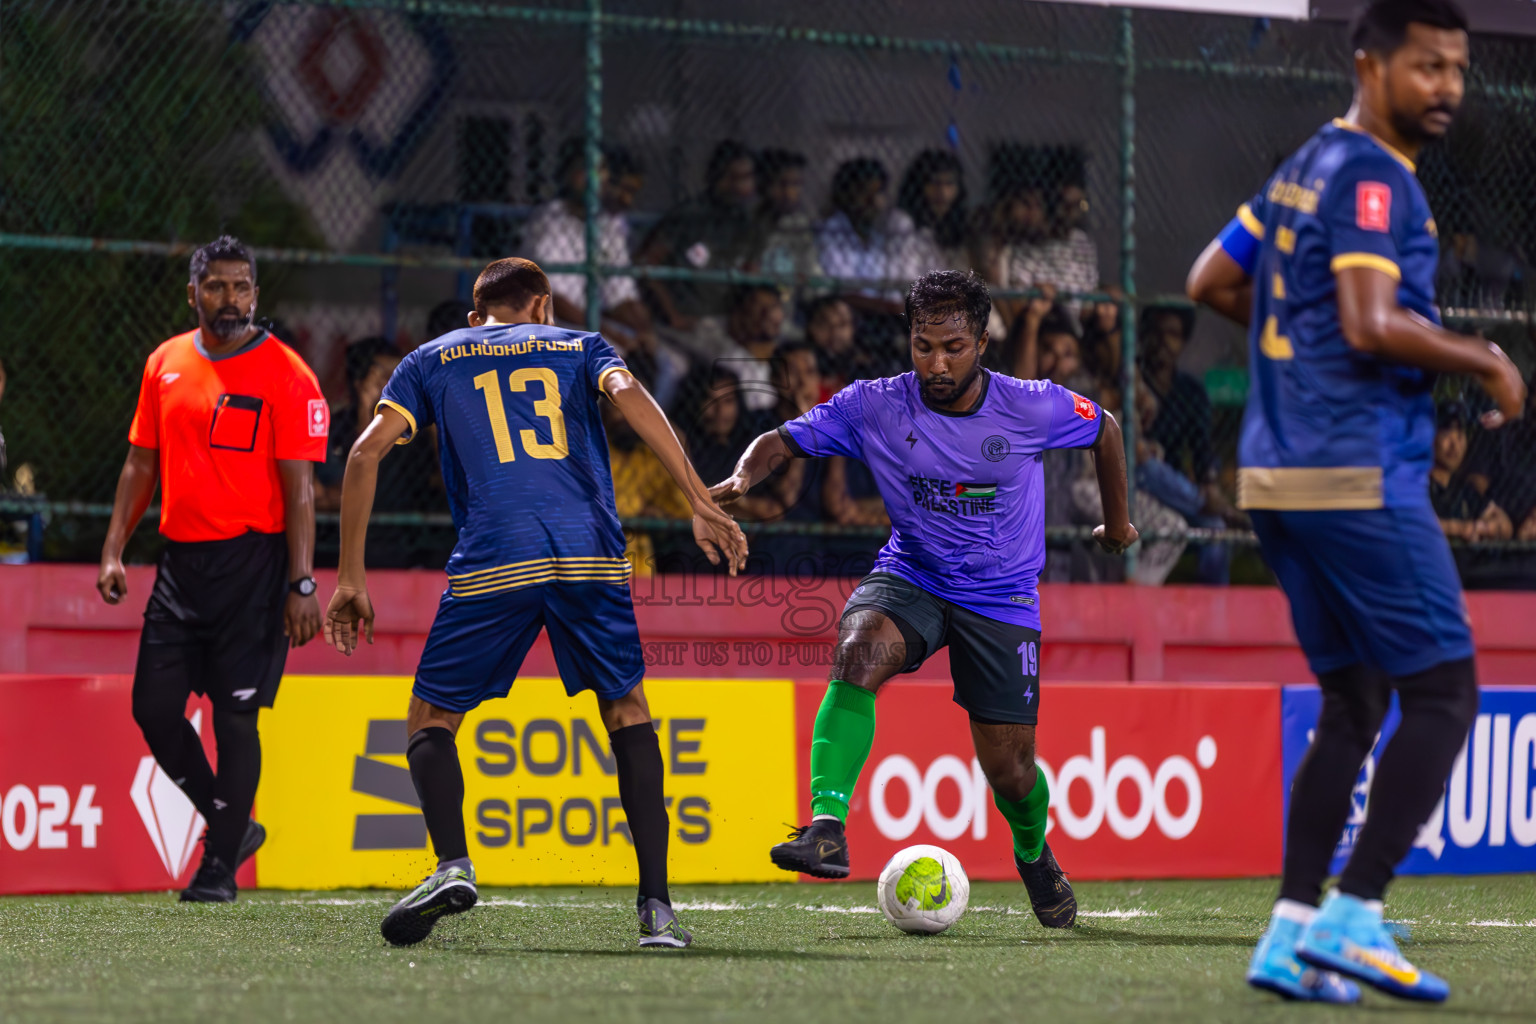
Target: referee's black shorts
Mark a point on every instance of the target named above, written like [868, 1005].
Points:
[214, 623]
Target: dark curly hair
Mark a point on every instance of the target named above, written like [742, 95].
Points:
[946, 295]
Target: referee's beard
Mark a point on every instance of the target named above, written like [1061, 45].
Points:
[229, 324]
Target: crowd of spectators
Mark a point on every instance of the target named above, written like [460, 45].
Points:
[730, 360]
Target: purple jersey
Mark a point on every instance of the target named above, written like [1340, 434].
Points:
[965, 491]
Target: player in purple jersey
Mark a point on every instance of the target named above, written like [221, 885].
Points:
[956, 452]
[1333, 265]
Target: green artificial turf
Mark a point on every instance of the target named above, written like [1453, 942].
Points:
[1173, 951]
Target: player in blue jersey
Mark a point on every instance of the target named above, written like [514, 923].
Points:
[956, 453]
[1332, 268]
[525, 465]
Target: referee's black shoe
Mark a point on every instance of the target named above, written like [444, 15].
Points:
[213, 883]
[1050, 894]
[820, 850]
[254, 837]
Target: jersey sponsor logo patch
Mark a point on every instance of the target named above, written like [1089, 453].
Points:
[319, 418]
[1373, 206]
[1083, 407]
[168, 378]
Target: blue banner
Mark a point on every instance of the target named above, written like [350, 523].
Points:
[1485, 823]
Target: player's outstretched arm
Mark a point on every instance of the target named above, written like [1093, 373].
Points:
[1217, 280]
[715, 532]
[766, 453]
[1374, 323]
[135, 488]
[1117, 533]
[350, 613]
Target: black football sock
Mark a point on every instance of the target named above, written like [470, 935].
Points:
[1439, 706]
[161, 717]
[638, 754]
[234, 786]
[1354, 703]
[439, 781]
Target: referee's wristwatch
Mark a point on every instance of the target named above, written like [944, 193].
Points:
[304, 586]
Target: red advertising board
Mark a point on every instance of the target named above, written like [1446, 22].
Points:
[1148, 780]
[83, 806]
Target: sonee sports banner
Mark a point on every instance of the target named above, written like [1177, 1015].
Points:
[541, 802]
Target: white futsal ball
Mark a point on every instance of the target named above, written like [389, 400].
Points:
[923, 889]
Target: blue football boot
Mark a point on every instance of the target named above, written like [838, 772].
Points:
[1274, 968]
[1349, 936]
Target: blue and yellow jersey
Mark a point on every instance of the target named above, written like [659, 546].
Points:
[524, 455]
[1328, 427]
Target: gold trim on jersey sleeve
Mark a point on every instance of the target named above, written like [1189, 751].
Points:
[604, 376]
[1251, 224]
[403, 411]
[1368, 260]
[1309, 488]
[1339, 122]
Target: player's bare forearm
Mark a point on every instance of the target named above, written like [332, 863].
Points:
[135, 488]
[1374, 323]
[1217, 280]
[766, 453]
[357, 490]
[642, 412]
[299, 512]
[1109, 461]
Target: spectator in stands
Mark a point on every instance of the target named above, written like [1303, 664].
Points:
[3, 481]
[718, 230]
[626, 177]
[369, 363]
[1512, 469]
[719, 428]
[789, 237]
[745, 342]
[1103, 347]
[408, 481]
[1183, 424]
[448, 315]
[861, 240]
[1050, 246]
[831, 327]
[556, 233]
[932, 194]
[1465, 510]
[642, 488]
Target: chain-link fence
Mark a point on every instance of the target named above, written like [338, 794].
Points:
[768, 179]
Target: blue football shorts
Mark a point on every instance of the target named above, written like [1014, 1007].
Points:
[1376, 586]
[477, 644]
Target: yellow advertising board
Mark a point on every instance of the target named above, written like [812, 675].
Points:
[541, 803]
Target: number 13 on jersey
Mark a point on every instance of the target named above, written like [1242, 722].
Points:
[489, 382]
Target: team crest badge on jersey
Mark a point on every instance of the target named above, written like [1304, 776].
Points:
[319, 418]
[996, 448]
[1373, 206]
[1083, 407]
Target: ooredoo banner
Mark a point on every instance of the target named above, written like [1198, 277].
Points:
[1147, 780]
[83, 806]
[541, 791]
[1485, 822]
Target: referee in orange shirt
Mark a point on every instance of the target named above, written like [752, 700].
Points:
[228, 422]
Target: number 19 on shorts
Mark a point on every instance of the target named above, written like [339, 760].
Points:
[1029, 655]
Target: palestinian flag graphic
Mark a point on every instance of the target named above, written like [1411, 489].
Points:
[975, 490]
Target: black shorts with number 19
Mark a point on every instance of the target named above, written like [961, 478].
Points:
[995, 665]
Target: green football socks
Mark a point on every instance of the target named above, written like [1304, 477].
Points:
[840, 743]
[1027, 819]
